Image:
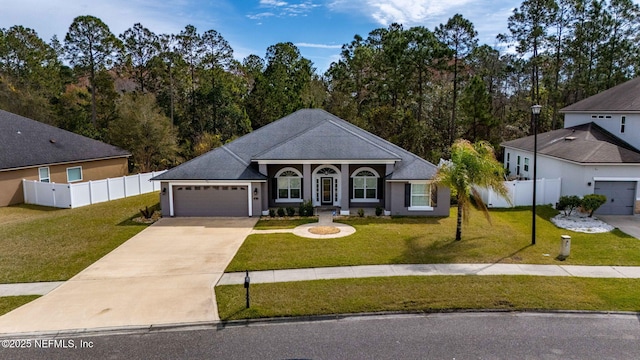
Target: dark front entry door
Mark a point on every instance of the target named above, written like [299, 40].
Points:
[327, 190]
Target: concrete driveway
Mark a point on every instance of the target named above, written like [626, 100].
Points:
[628, 224]
[163, 275]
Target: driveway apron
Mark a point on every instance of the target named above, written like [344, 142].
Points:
[163, 275]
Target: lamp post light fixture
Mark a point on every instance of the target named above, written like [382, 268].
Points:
[535, 110]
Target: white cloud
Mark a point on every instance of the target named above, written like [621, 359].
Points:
[282, 8]
[260, 15]
[318, 46]
[407, 12]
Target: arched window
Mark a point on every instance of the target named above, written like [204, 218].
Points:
[289, 184]
[365, 184]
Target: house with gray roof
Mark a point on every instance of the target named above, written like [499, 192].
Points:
[596, 153]
[310, 155]
[33, 150]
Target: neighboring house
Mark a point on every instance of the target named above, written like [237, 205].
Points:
[308, 155]
[36, 151]
[597, 151]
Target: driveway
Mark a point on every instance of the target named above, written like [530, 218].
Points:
[163, 275]
[628, 224]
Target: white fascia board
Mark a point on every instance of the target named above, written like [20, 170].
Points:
[320, 162]
[211, 182]
[412, 181]
[612, 178]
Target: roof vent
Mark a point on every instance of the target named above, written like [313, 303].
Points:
[570, 138]
[53, 141]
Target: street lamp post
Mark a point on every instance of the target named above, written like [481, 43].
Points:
[535, 110]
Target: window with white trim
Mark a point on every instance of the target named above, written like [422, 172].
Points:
[420, 196]
[43, 174]
[289, 185]
[623, 123]
[74, 174]
[365, 185]
[526, 164]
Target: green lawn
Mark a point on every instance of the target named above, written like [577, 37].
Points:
[46, 244]
[9, 303]
[428, 294]
[431, 240]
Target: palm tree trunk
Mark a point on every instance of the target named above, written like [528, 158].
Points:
[459, 224]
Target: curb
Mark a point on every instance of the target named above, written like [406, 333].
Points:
[220, 325]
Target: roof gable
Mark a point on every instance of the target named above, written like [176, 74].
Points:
[621, 98]
[327, 140]
[587, 143]
[25, 142]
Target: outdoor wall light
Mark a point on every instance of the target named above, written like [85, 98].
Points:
[589, 183]
[255, 191]
[164, 191]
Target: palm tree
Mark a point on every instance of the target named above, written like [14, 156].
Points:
[471, 165]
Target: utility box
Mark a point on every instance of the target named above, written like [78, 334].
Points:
[565, 246]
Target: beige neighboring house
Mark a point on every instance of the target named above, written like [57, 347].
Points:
[33, 150]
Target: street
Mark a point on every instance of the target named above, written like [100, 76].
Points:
[432, 336]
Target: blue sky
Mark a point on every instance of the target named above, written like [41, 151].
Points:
[318, 27]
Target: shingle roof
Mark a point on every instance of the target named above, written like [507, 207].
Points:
[309, 134]
[25, 142]
[586, 143]
[622, 98]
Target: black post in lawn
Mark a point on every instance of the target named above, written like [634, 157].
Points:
[535, 110]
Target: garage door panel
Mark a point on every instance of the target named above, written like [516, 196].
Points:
[210, 200]
[621, 196]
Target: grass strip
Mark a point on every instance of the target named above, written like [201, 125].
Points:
[277, 223]
[8, 303]
[428, 294]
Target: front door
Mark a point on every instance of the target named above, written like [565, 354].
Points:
[327, 190]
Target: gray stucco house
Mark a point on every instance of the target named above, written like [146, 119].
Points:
[308, 155]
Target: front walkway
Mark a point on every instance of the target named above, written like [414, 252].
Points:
[345, 272]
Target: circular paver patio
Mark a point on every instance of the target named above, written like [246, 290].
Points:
[303, 230]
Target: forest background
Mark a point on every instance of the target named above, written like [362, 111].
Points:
[167, 98]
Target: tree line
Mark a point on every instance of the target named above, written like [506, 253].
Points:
[170, 97]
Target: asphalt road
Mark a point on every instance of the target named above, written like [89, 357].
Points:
[435, 336]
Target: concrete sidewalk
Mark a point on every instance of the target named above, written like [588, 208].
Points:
[345, 272]
[37, 288]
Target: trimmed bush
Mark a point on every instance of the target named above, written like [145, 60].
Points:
[306, 208]
[567, 204]
[290, 211]
[378, 210]
[361, 212]
[592, 202]
[272, 213]
[280, 212]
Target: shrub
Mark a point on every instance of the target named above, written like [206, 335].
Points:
[361, 212]
[280, 212]
[291, 211]
[592, 202]
[272, 213]
[567, 204]
[146, 212]
[306, 208]
[378, 210]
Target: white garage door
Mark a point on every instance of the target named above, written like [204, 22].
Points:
[210, 201]
[621, 197]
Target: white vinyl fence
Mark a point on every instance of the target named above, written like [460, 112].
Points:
[521, 193]
[90, 192]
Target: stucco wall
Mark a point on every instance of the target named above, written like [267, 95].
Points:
[11, 181]
[398, 208]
